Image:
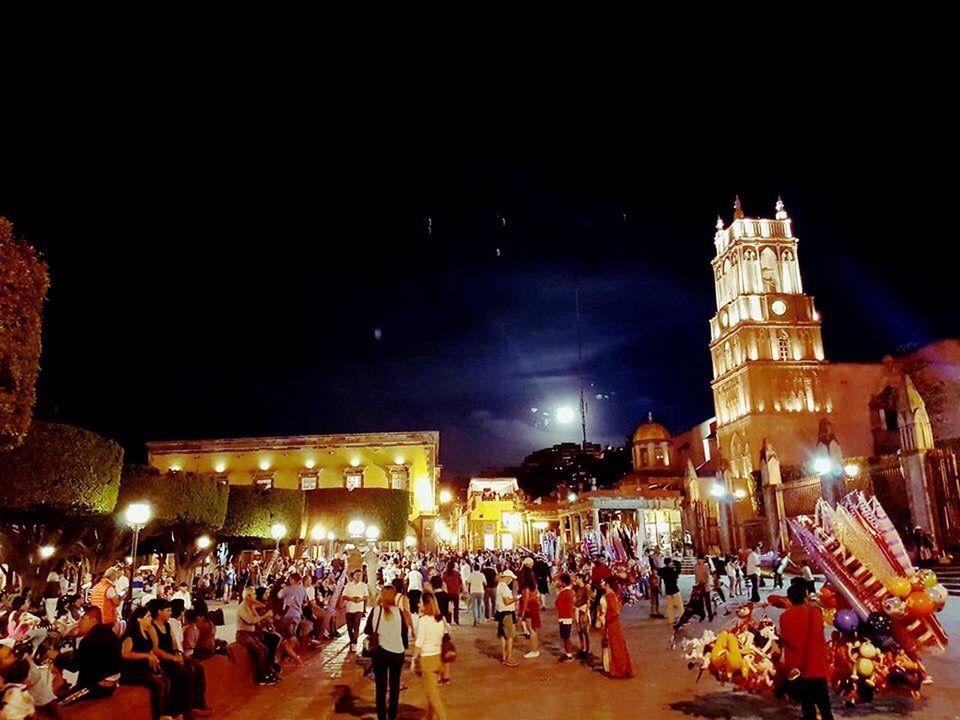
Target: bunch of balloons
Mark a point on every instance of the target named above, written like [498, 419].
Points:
[863, 655]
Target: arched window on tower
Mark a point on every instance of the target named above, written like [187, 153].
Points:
[784, 344]
[769, 271]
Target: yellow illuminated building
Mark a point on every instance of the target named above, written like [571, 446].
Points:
[494, 518]
[403, 461]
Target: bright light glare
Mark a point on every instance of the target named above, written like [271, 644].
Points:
[138, 514]
[571, 497]
[278, 530]
[47, 551]
[740, 493]
[821, 465]
[203, 542]
[851, 469]
[372, 532]
[409, 541]
[445, 496]
[356, 528]
[717, 490]
[317, 533]
[565, 414]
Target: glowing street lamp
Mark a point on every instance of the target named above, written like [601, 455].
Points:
[203, 542]
[372, 532]
[851, 469]
[331, 536]
[317, 533]
[277, 531]
[47, 551]
[409, 541]
[356, 528]
[822, 465]
[137, 516]
[445, 497]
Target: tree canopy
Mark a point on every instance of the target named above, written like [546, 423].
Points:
[252, 511]
[176, 499]
[62, 469]
[23, 288]
[334, 508]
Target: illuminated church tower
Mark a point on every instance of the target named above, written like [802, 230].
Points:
[768, 360]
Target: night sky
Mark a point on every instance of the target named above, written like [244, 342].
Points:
[236, 254]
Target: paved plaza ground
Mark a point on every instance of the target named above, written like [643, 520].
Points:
[663, 688]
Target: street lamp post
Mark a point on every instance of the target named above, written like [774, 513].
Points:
[137, 517]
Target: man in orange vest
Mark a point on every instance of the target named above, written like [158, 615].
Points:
[105, 596]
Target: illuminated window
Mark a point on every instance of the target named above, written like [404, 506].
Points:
[784, 343]
[308, 480]
[706, 449]
[658, 455]
[264, 483]
[399, 476]
[353, 478]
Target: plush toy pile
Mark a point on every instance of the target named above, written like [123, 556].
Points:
[743, 655]
[883, 610]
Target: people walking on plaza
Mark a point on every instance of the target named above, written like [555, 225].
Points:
[414, 588]
[719, 571]
[506, 617]
[530, 607]
[599, 573]
[476, 586]
[654, 589]
[428, 649]
[780, 567]
[542, 570]
[566, 608]
[805, 654]
[441, 596]
[489, 590]
[619, 665]
[753, 573]
[670, 577]
[295, 600]
[387, 623]
[355, 599]
[453, 584]
[734, 576]
[582, 599]
[229, 578]
[701, 579]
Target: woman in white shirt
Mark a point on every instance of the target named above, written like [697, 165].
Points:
[430, 632]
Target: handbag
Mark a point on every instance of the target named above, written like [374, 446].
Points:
[448, 651]
[371, 643]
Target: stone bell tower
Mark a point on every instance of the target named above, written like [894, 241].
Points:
[766, 347]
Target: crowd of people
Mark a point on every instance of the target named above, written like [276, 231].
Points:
[155, 632]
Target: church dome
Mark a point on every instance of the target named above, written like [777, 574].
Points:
[651, 432]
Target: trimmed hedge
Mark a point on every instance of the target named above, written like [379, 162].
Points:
[23, 288]
[60, 468]
[179, 499]
[251, 512]
[334, 508]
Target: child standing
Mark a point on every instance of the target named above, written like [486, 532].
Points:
[566, 602]
[655, 593]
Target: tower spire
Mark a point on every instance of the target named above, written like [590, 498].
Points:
[737, 209]
[781, 211]
[719, 223]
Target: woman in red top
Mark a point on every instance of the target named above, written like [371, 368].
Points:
[805, 654]
[613, 637]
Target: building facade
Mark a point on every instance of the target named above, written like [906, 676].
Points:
[401, 461]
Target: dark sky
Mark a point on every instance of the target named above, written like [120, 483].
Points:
[225, 241]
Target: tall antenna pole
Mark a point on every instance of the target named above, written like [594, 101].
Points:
[583, 403]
